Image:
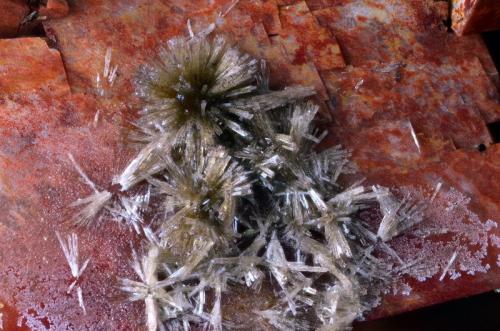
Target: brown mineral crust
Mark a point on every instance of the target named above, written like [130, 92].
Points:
[83, 44]
[372, 31]
[404, 31]
[284, 73]
[305, 40]
[54, 9]
[476, 43]
[396, 145]
[265, 12]
[457, 169]
[282, 3]
[28, 64]
[38, 183]
[10, 318]
[251, 38]
[472, 173]
[450, 49]
[393, 159]
[12, 13]
[318, 4]
[86, 33]
[92, 27]
[473, 16]
[420, 93]
[435, 292]
[239, 308]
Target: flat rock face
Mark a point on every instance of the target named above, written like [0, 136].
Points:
[418, 92]
[29, 65]
[37, 184]
[409, 99]
[305, 40]
[54, 9]
[462, 219]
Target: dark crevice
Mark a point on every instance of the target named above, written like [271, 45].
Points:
[474, 313]
[492, 40]
[50, 38]
[31, 25]
[494, 129]
[34, 4]
[448, 22]
[31, 29]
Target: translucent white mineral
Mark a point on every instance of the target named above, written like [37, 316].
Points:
[70, 250]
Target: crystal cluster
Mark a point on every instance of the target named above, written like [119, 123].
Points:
[228, 190]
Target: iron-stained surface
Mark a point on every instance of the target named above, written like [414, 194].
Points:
[474, 16]
[12, 13]
[410, 100]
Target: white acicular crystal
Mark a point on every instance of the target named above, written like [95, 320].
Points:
[146, 163]
[93, 204]
[398, 216]
[109, 74]
[215, 315]
[130, 209]
[70, 250]
[238, 195]
[448, 266]
[339, 307]
[147, 288]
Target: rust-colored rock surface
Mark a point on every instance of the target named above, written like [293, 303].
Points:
[12, 13]
[29, 65]
[365, 95]
[409, 99]
[54, 9]
[474, 16]
[317, 46]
